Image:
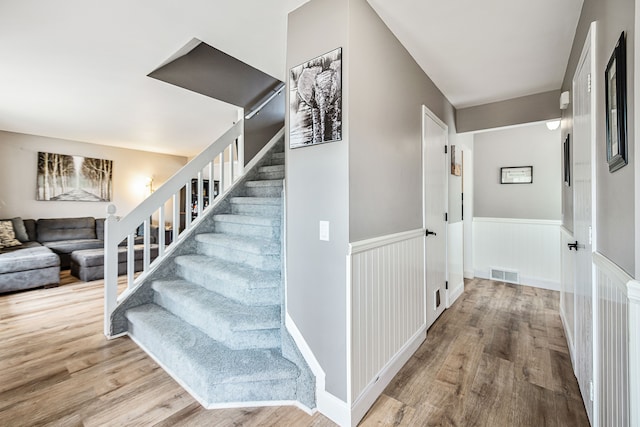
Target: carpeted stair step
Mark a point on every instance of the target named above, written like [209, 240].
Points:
[236, 325]
[209, 369]
[248, 225]
[236, 281]
[277, 158]
[257, 206]
[271, 172]
[264, 188]
[258, 253]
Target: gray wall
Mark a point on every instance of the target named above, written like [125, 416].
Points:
[317, 189]
[531, 145]
[385, 128]
[368, 184]
[18, 170]
[526, 109]
[614, 191]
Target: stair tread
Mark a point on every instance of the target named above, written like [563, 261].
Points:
[234, 315]
[253, 245]
[187, 349]
[248, 219]
[251, 277]
[272, 168]
[256, 200]
[264, 183]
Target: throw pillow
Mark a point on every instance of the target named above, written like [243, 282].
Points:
[7, 235]
[19, 229]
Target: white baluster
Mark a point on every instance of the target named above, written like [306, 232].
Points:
[147, 243]
[231, 168]
[131, 259]
[176, 216]
[241, 144]
[110, 266]
[188, 206]
[222, 180]
[161, 232]
[211, 183]
[200, 195]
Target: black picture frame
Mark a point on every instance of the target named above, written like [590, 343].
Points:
[566, 160]
[616, 106]
[516, 175]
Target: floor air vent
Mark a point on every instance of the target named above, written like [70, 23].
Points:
[510, 276]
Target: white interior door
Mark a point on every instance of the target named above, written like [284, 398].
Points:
[434, 161]
[583, 147]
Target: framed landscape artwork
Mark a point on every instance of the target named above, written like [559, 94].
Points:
[516, 175]
[315, 99]
[62, 177]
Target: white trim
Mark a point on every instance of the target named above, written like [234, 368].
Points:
[518, 220]
[525, 281]
[633, 292]
[454, 293]
[612, 270]
[333, 408]
[376, 242]
[469, 274]
[568, 336]
[265, 149]
[566, 231]
[369, 395]
[306, 352]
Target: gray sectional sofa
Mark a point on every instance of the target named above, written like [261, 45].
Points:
[48, 246]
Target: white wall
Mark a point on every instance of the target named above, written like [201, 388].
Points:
[528, 145]
[18, 164]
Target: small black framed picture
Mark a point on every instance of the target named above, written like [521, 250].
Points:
[516, 175]
[616, 106]
[566, 160]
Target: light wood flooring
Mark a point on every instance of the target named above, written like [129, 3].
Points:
[498, 357]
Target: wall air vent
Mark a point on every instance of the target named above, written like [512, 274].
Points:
[504, 275]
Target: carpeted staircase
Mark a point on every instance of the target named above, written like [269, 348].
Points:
[212, 317]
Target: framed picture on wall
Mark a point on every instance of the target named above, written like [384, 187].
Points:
[516, 175]
[616, 106]
[566, 161]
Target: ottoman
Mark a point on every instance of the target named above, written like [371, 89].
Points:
[88, 264]
[31, 266]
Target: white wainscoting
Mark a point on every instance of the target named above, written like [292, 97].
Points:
[567, 289]
[455, 252]
[528, 246]
[613, 331]
[386, 297]
[633, 293]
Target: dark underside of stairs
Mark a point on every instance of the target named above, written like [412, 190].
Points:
[215, 322]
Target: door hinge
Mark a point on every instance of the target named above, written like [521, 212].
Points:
[445, 149]
[590, 235]
[446, 285]
[446, 217]
[589, 82]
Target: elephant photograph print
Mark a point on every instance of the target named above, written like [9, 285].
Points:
[315, 113]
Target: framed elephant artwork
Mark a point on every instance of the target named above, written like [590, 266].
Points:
[315, 113]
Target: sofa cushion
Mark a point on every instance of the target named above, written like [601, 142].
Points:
[68, 246]
[56, 229]
[19, 229]
[25, 245]
[7, 235]
[30, 226]
[100, 228]
[28, 259]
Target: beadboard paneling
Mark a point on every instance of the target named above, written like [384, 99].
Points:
[526, 245]
[387, 292]
[612, 343]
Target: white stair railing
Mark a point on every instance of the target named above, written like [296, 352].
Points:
[211, 163]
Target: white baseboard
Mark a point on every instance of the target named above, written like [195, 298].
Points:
[333, 408]
[306, 352]
[369, 395]
[569, 338]
[454, 293]
[468, 274]
[526, 281]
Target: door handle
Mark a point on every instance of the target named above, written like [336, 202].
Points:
[573, 245]
[430, 233]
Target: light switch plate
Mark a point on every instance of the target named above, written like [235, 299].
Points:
[324, 230]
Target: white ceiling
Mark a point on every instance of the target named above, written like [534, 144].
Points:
[76, 69]
[478, 52]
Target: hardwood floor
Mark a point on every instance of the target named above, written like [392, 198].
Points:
[496, 358]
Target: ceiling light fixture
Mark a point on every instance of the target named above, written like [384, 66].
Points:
[553, 125]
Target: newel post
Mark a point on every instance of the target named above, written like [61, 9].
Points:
[633, 292]
[110, 266]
